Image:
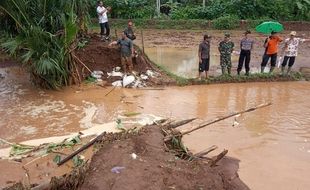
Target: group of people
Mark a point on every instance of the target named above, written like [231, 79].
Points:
[226, 48]
[271, 44]
[126, 42]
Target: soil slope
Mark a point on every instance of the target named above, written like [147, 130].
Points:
[155, 168]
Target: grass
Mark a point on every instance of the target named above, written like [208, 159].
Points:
[258, 77]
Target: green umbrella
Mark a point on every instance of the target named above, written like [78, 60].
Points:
[268, 27]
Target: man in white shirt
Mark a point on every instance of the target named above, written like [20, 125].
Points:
[103, 21]
[291, 51]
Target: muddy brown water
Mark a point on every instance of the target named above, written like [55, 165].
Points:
[273, 143]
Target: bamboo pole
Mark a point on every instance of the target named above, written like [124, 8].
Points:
[220, 119]
[205, 152]
[80, 149]
[142, 38]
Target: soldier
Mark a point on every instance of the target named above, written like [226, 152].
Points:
[226, 47]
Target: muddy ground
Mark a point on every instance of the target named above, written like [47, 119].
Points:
[155, 167]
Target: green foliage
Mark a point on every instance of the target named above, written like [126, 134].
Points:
[193, 9]
[42, 33]
[18, 149]
[226, 22]
[131, 9]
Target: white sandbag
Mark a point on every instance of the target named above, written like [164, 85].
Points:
[96, 76]
[117, 83]
[144, 77]
[127, 80]
[150, 73]
[98, 72]
[117, 69]
[115, 74]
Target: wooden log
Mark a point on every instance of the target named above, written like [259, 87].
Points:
[205, 152]
[217, 158]
[219, 119]
[80, 149]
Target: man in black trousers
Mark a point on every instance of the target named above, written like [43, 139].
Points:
[246, 46]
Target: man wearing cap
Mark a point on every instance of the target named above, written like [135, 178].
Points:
[291, 51]
[204, 56]
[246, 46]
[271, 51]
[226, 47]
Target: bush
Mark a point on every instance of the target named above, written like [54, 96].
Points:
[226, 22]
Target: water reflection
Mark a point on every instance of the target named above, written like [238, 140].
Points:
[183, 61]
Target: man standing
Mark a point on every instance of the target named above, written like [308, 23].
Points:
[126, 52]
[204, 56]
[103, 21]
[246, 46]
[271, 45]
[129, 31]
[291, 51]
[226, 47]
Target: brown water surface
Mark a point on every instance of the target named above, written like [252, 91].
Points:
[272, 143]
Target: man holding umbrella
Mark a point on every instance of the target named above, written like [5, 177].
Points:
[271, 43]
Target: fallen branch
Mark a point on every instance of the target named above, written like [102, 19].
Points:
[219, 119]
[80, 149]
[205, 152]
[75, 57]
[217, 158]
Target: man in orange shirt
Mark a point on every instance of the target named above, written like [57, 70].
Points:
[271, 45]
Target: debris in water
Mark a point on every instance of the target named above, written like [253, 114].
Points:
[117, 83]
[134, 156]
[117, 169]
[144, 77]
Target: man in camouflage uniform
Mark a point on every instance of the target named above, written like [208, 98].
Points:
[226, 47]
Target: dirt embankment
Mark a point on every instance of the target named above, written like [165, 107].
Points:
[99, 56]
[154, 168]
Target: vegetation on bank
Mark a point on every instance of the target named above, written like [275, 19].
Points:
[212, 9]
[43, 34]
[222, 23]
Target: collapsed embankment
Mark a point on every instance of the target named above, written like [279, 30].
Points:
[143, 160]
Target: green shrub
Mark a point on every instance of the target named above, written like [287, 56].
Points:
[226, 22]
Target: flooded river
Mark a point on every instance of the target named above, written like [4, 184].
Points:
[273, 143]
